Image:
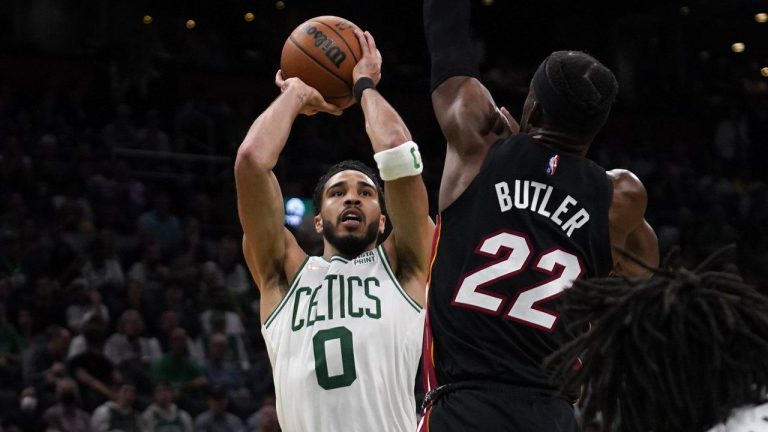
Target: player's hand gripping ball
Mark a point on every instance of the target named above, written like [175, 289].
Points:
[322, 52]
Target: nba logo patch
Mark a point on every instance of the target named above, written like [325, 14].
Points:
[552, 165]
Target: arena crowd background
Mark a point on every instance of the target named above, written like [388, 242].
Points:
[120, 120]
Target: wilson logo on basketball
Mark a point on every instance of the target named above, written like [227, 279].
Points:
[335, 54]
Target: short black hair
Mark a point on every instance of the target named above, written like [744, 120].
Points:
[575, 91]
[217, 392]
[53, 331]
[678, 351]
[355, 165]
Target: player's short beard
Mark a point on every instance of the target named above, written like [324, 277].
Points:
[350, 246]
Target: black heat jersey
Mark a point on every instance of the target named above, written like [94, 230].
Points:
[533, 220]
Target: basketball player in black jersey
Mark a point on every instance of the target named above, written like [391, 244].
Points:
[523, 213]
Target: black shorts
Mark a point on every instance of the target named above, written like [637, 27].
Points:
[468, 407]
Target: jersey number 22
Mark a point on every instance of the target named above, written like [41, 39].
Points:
[564, 267]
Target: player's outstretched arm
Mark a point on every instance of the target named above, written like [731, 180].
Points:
[406, 195]
[629, 230]
[464, 108]
[271, 252]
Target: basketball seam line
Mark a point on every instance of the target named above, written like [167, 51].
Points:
[315, 60]
[351, 51]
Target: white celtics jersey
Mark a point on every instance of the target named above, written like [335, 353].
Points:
[345, 344]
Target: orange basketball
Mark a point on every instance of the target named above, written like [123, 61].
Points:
[322, 52]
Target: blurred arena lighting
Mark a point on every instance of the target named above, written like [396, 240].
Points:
[764, 72]
[738, 47]
[280, 5]
[487, 2]
[249, 16]
[190, 24]
[147, 19]
[685, 11]
[762, 17]
[295, 209]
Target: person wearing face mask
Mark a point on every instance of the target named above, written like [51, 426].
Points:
[66, 416]
[27, 417]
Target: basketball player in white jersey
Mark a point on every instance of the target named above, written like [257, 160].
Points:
[343, 330]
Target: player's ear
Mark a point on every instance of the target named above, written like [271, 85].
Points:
[382, 224]
[318, 224]
[534, 117]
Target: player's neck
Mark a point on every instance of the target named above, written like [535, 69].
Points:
[329, 251]
[560, 141]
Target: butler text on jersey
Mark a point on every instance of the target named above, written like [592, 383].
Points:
[535, 197]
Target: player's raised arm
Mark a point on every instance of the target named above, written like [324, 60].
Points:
[629, 230]
[271, 252]
[464, 108]
[400, 167]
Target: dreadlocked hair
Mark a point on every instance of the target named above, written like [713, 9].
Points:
[676, 352]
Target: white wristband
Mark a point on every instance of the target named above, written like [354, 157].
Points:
[401, 161]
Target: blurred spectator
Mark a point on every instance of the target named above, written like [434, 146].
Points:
[264, 420]
[166, 325]
[186, 314]
[235, 277]
[28, 416]
[229, 324]
[130, 297]
[11, 346]
[93, 371]
[66, 416]
[193, 128]
[731, 141]
[88, 305]
[151, 136]
[15, 169]
[211, 281]
[43, 363]
[102, 269]
[47, 164]
[259, 379]
[118, 415]
[150, 271]
[129, 189]
[176, 367]
[219, 370]
[12, 257]
[128, 344]
[92, 311]
[193, 250]
[74, 218]
[131, 353]
[163, 415]
[117, 197]
[45, 303]
[25, 323]
[161, 224]
[217, 418]
[120, 132]
[204, 211]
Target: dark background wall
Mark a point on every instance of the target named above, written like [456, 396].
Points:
[691, 119]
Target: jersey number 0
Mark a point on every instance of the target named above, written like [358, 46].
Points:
[334, 374]
[564, 267]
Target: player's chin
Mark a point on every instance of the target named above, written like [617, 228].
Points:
[350, 232]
